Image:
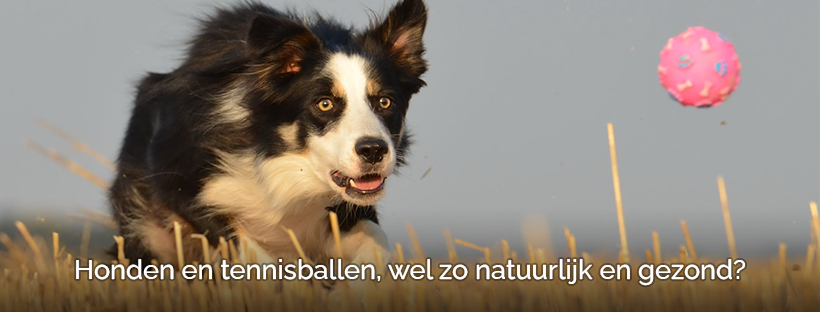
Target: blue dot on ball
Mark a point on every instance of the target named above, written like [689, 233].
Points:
[721, 68]
[684, 61]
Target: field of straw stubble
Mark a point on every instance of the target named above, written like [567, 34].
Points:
[38, 275]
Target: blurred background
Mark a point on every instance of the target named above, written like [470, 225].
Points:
[512, 126]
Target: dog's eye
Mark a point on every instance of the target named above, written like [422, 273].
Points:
[385, 103]
[325, 105]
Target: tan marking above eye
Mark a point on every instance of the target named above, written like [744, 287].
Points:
[385, 103]
[325, 105]
[373, 88]
[337, 90]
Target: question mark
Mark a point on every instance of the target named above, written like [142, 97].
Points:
[742, 265]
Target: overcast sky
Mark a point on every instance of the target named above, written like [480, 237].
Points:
[513, 122]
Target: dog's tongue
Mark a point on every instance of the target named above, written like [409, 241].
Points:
[367, 183]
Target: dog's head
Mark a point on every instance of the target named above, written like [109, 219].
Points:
[336, 96]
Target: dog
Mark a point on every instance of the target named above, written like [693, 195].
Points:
[272, 121]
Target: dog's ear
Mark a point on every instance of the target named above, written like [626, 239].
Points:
[281, 41]
[400, 35]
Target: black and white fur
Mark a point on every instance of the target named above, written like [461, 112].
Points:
[270, 122]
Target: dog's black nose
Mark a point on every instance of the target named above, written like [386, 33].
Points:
[371, 150]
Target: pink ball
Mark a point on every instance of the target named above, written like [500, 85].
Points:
[699, 68]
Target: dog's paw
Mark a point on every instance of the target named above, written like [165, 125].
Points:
[328, 284]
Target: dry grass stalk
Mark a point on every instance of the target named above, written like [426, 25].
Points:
[223, 249]
[14, 251]
[426, 173]
[68, 164]
[451, 247]
[573, 250]
[77, 144]
[178, 243]
[616, 182]
[298, 246]
[414, 239]
[32, 244]
[656, 246]
[691, 247]
[727, 219]
[85, 240]
[815, 222]
[337, 238]
[784, 265]
[400, 254]
[55, 238]
[233, 252]
[120, 249]
[206, 247]
[531, 252]
[95, 216]
[485, 250]
[29, 239]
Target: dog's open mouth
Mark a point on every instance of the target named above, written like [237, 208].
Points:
[366, 184]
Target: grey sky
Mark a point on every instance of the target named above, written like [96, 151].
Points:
[513, 121]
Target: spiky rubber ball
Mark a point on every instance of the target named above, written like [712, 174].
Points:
[699, 68]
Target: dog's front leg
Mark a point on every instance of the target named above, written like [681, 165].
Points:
[364, 243]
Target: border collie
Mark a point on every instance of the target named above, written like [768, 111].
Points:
[271, 121]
